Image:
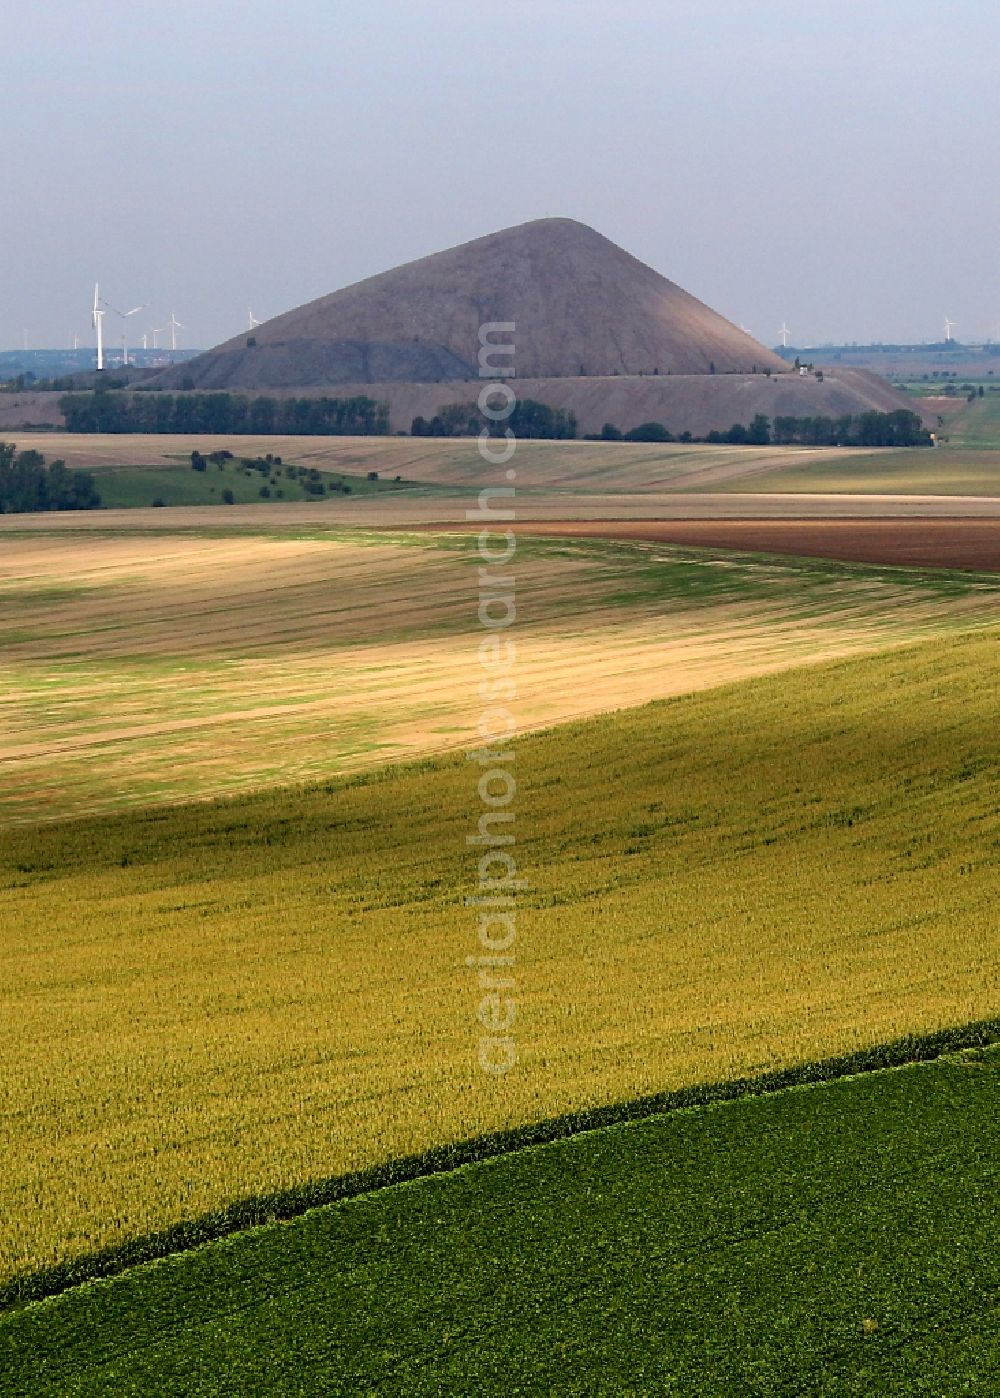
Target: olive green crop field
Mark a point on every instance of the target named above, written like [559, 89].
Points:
[839, 1239]
[948, 470]
[205, 1003]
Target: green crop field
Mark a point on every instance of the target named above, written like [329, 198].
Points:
[836, 1239]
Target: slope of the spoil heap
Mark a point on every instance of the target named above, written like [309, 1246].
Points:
[582, 306]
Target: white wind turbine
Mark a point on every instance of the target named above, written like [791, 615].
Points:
[154, 334]
[98, 323]
[252, 321]
[125, 316]
[784, 332]
[949, 326]
[173, 324]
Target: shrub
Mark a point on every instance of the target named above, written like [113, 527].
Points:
[649, 432]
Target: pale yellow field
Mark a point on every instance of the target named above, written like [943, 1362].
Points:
[140, 669]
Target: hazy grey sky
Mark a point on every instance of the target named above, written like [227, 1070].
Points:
[833, 164]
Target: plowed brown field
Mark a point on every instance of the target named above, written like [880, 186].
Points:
[914, 543]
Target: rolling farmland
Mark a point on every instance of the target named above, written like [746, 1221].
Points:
[281, 643]
[499, 759]
[757, 818]
[755, 875]
[596, 468]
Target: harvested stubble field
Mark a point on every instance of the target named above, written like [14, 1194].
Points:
[204, 1003]
[425, 507]
[146, 668]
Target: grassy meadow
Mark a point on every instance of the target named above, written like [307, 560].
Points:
[978, 423]
[207, 1002]
[964, 422]
[833, 1239]
[129, 486]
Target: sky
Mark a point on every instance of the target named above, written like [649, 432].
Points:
[831, 165]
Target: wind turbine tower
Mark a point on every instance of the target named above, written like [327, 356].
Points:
[174, 325]
[252, 321]
[949, 326]
[98, 322]
[784, 332]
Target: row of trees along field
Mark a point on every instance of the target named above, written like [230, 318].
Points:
[27, 484]
[900, 428]
[114, 411]
[527, 419]
[111, 411]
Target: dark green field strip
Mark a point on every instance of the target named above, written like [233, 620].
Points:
[833, 1239]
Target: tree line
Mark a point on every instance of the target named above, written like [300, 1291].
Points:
[104, 411]
[27, 484]
[114, 411]
[900, 428]
[528, 419]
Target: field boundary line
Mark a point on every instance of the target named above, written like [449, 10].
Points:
[282, 1205]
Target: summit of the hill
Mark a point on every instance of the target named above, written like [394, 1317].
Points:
[583, 307]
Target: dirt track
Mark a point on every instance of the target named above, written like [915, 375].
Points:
[930, 543]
